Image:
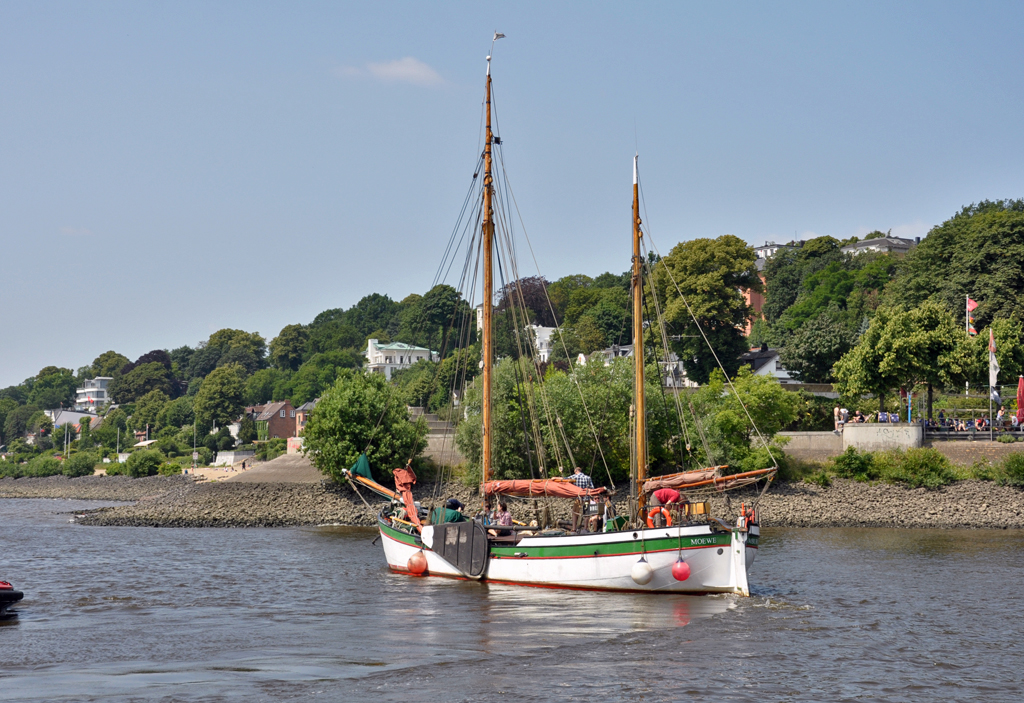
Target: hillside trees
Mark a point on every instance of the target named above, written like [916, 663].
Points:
[977, 252]
[710, 273]
[53, 388]
[220, 397]
[288, 348]
[109, 363]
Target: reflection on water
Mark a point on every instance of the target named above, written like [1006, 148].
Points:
[266, 614]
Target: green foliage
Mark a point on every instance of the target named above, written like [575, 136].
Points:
[53, 388]
[148, 409]
[1005, 439]
[177, 413]
[16, 422]
[813, 349]
[1013, 467]
[318, 374]
[143, 463]
[80, 464]
[271, 449]
[109, 363]
[710, 273]
[288, 348]
[361, 411]
[168, 469]
[141, 380]
[266, 385]
[227, 339]
[977, 252]
[219, 399]
[6, 406]
[917, 468]
[904, 348]
[732, 438]
[246, 430]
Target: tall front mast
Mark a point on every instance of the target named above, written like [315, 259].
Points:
[488, 246]
[640, 410]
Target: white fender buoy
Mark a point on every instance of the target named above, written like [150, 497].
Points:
[642, 572]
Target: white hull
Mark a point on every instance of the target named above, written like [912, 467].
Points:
[718, 562]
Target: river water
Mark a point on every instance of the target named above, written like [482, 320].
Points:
[144, 614]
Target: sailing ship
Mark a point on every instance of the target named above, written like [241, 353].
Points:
[700, 553]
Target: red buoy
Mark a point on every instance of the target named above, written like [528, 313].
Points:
[680, 570]
[418, 563]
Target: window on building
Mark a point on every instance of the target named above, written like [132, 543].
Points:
[293, 413]
[282, 413]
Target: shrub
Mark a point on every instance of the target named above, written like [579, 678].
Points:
[167, 469]
[1013, 467]
[272, 449]
[1006, 439]
[144, 463]
[820, 478]
[42, 466]
[80, 464]
[918, 468]
[855, 465]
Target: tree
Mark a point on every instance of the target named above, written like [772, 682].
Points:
[710, 273]
[177, 413]
[786, 270]
[528, 294]
[203, 361]
[16, 422]
[259, 388]
[6, 406]
[732, 437]
[143, 463]
[148, 409]
[140, 380]
[109, 363]
[288, 348]
[252, 342]
[243, 357]
[53, 388]
[319, 373]
[561, 292]
[219, 400]
[977, 252]
[904, 348]
[247, 430]
[79, 464]
[362, 412]
[374, 311]
[815, 347]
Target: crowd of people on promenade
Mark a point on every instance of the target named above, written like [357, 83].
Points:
[1003, 420]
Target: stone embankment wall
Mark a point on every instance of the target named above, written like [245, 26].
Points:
[179, 502]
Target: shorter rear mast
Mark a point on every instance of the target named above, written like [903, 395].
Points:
[639, 406]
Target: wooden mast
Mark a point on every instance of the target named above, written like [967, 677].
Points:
[639, 409]
[488, 295]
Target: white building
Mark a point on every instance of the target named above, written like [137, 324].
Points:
[766, 362]
[884, 245]
[93, 395]
[542, 342]
[388, 358]
[673, 374]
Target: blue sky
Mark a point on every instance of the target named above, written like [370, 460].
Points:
[169, 169]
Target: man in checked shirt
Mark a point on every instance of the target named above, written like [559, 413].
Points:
[581, 479]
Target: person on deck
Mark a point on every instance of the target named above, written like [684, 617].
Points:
[501, 517]
[581, 479]
[664, 497]
[451, 512]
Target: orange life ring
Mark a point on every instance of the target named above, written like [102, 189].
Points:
[659, 510]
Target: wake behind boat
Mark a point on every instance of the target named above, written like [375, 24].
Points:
[677, 547]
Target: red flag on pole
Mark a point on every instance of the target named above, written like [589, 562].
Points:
[1020, 400]
[971, 304]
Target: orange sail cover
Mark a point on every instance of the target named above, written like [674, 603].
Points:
[558, 488]
[680, 480]
[405, 478]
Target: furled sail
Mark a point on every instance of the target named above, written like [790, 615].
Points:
[556, 487]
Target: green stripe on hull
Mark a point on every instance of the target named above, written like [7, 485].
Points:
[613, 549]
[398, 535]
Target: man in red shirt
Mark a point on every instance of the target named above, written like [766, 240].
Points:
[665, 496]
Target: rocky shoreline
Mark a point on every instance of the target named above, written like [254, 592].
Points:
[180, 501]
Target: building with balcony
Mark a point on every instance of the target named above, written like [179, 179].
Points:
[388, 358]
[93, 394]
